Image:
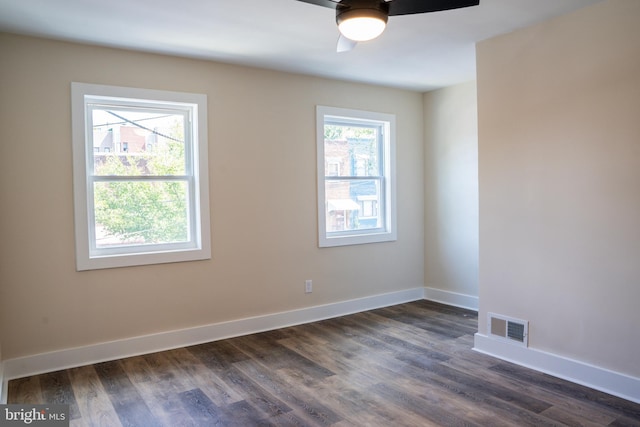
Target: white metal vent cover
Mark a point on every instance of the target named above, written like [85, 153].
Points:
[513, 330]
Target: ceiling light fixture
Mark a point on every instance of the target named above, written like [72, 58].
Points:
[362, 23]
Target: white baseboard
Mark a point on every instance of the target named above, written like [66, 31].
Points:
[102, 352]
[3, 385]
[607, 381]
[455, 299]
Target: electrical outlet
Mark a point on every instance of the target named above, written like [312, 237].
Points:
[308, 286]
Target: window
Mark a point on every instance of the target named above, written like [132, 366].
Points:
[140, 176]
[356, 178]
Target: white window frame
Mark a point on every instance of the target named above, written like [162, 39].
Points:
[88, 257]
[388, 230]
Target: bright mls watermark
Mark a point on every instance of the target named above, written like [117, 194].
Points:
[34, 415]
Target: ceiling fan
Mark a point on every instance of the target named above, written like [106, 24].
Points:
[362, 20]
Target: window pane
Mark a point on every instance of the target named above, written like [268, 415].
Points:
[140, 212]
[344, 204]
[351, 150]
[137, 142]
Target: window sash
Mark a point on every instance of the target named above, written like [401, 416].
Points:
[127, 105]
[124, 105]
[191, 242]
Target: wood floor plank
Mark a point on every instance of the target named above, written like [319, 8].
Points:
[160, 385]
[625, 422]
[406, 365]
[219, 355]
[199, 376]
[398, 397]
[445, 382]
[355, 403]
[25, 390]
[597, 398]
[164, 403]
[568, 418]
[93, 403]
[573, 408]
[498, 391]
[277, 356]
[276, 383]
[132, 410]
[288, 419]
[56, 389]
[165, 373]
[202, 411]
[425, 323]
[256, 395]
[333, 358]
[448, 400]
[358, 361]
[137, 369]
[393, 343]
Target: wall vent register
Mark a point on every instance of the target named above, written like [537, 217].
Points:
[509, 329]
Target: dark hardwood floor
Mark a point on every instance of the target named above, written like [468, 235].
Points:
[406, 365]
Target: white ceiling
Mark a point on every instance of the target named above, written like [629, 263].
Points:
[418, 52]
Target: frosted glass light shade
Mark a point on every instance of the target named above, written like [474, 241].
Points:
[361, 24]
[361, 29]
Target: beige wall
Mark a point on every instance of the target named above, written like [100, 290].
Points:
[559, 177]
[263, 201]
[451, 189]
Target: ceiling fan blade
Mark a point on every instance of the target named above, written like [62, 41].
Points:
[345, 44]
[409, 7]
[326, 3]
